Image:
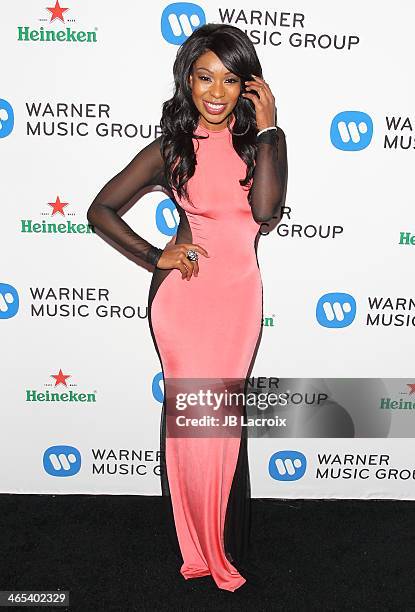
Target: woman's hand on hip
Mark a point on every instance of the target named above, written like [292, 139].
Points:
[174, 256]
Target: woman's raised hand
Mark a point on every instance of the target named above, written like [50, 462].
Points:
[264, 104]
[174, 256]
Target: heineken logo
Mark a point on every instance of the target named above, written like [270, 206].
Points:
[56, 225]
[60, 389]
[56, 14]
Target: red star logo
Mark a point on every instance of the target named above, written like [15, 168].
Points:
[57, 12]
[57, 206]
[412, 387]
[60, 378]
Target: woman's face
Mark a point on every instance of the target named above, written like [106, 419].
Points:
[211, 81]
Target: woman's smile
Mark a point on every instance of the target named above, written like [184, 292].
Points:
[214, 108]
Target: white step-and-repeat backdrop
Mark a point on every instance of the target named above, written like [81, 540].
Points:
[82, 84]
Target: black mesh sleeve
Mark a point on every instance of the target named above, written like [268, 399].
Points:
[145, 169]
[270, 175]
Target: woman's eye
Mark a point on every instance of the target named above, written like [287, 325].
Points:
[204, 77]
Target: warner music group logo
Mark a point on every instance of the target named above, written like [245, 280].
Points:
[64, 460]
[287, 465]
[351, 130]
[291, 465]
[67, 302]
[71, 119]
[336, 309]
[179, 20]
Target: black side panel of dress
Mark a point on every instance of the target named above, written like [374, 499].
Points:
[238, 518]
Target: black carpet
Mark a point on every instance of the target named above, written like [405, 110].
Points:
[112, 553]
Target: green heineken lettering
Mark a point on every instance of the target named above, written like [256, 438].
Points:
[44, 227]
[67, 35]
[67, 396]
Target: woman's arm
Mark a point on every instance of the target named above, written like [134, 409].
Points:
[145, 169]
[270, 176]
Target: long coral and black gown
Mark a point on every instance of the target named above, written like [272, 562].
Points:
[206, 328]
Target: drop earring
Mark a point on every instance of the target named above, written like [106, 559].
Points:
[242, 134]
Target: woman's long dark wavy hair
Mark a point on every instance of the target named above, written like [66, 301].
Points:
[180, 116]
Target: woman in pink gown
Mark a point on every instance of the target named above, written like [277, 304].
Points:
[225, 168]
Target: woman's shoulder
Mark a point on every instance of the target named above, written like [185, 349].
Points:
[158, 147]
[151, 153]
[154, 145]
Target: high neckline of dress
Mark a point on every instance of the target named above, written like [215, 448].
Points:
[202, 130]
